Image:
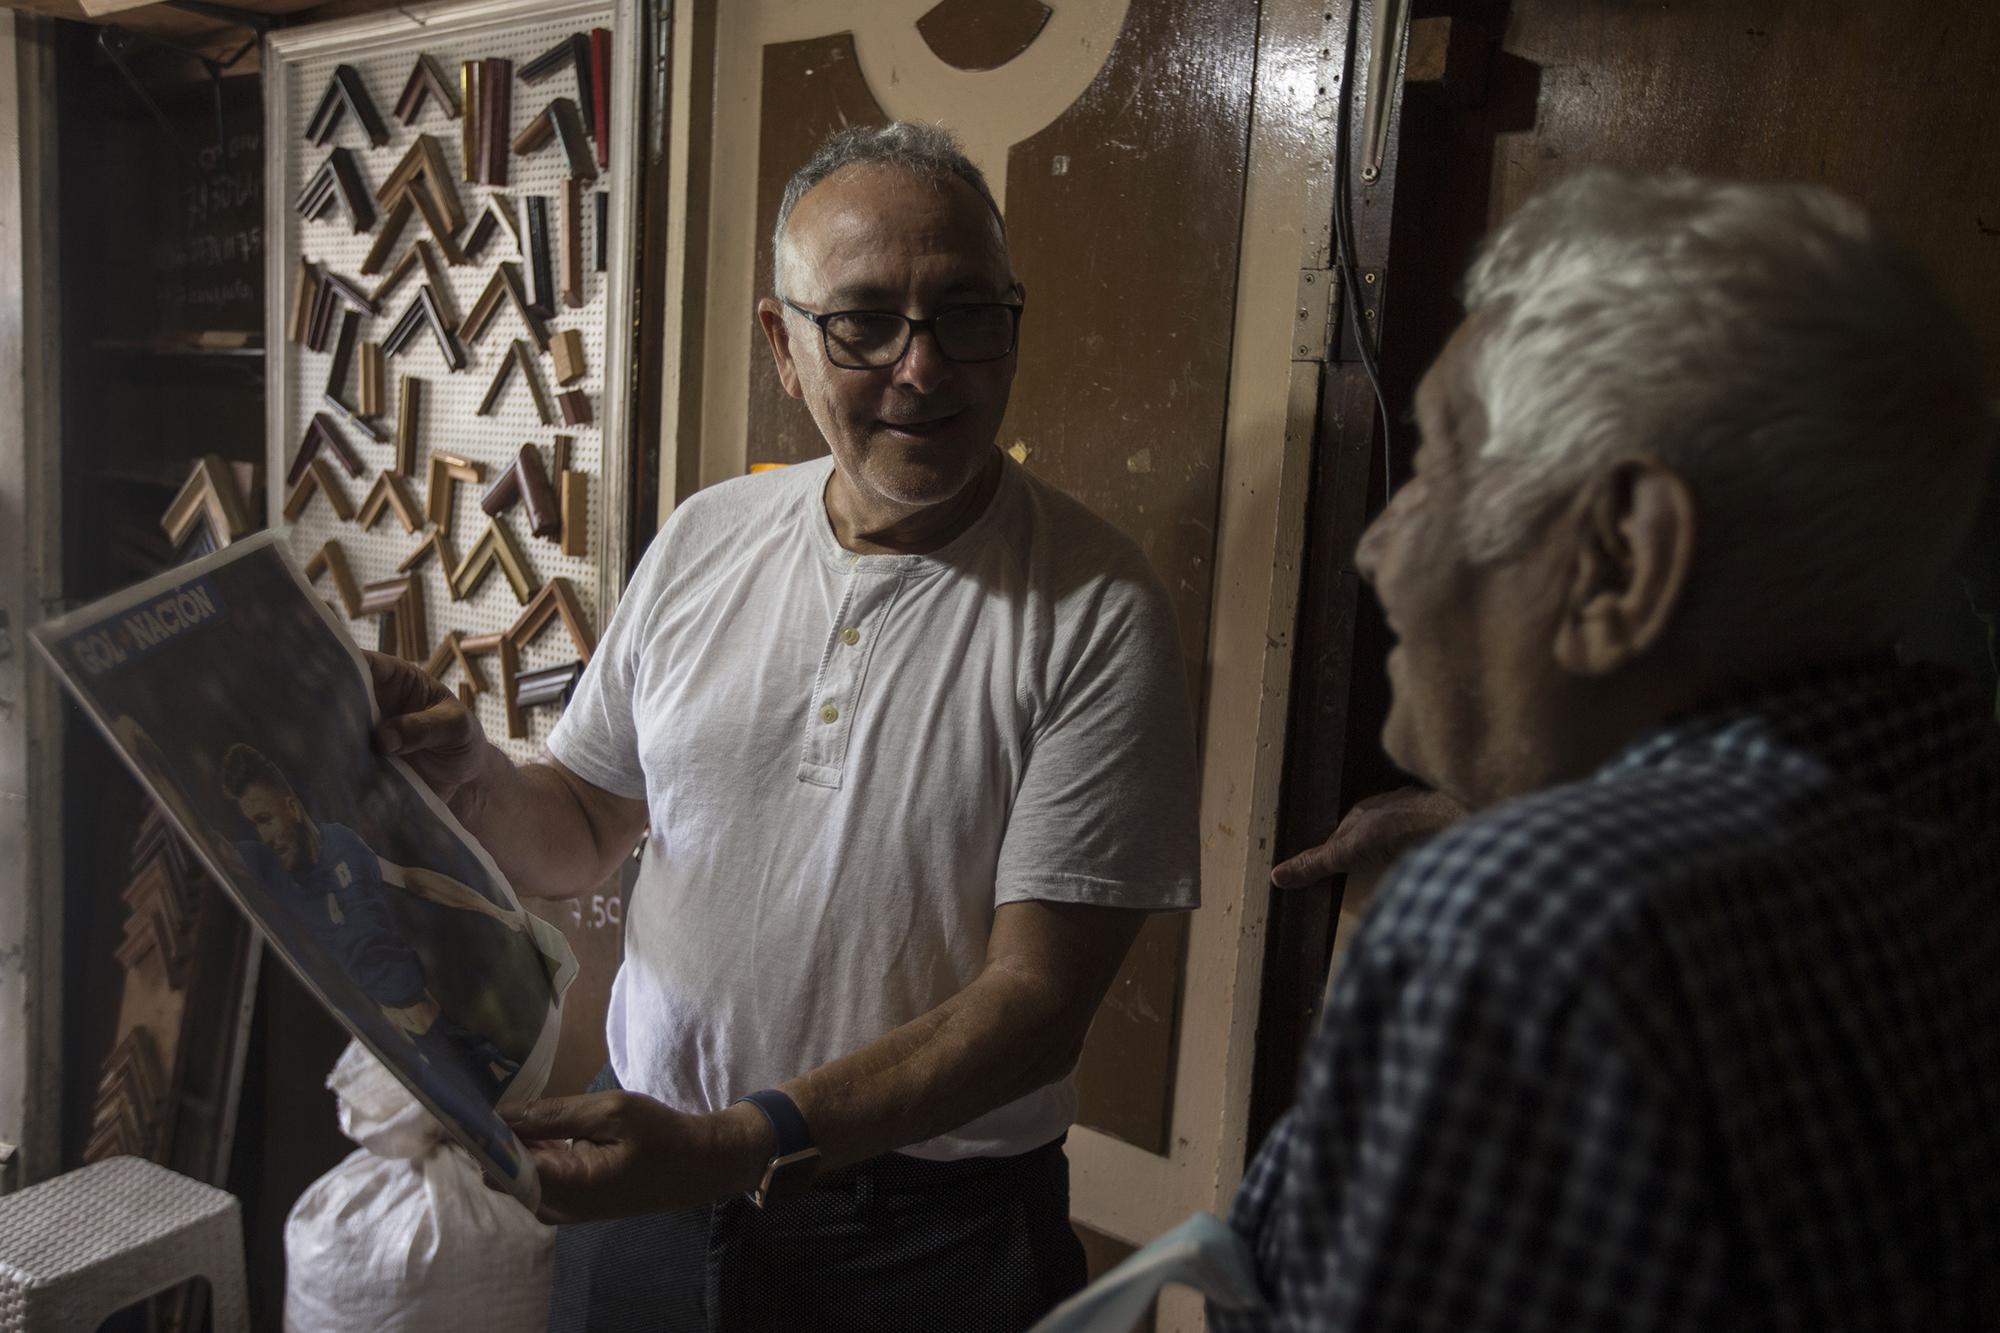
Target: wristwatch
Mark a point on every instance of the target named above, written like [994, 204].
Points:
[796, 1160]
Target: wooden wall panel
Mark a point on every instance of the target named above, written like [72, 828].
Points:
[1892, 105]
[1124, 217]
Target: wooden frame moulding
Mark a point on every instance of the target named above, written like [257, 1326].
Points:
[339, 408]
[389, 492]
[496, 546]
[130, 1117]
[345, 92]
[434, 543]
[470, 95]
[343, 353]
[500, 212]
[403, 268]
[526, 481]
[450, 650]
[559, 57]
[162, 917]
[305, 297]
[337, 178]
[575, 140]
[560, 122]
[331, 559]
[505, 282]
[400, 602]
[393, 226]
[569, 231]
[409, 405]
[424, 164]
[566, 349]
[532, 689]
[322, 433]
[575, 405]
[370, 402]
[575, 502]
[446, 471]
[538, 494]
[423, 312]
[436, 221]
[535, 255]
[319, 324]
[599, 96]
[358, 298]
[521, 356]
[510, 698]
[440, 285]
[557, 599]
[600, 242]
[498, 384]
[318, 478]
[496, 90]
[536, 135]
[427, 82]
[210, 493]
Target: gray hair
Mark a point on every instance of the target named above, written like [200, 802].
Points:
[1799, 371]
[929, 152]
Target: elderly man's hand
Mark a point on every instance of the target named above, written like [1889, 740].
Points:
[1373, 834]
[618, 1154]
[425, 725]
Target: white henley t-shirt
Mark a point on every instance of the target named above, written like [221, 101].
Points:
[849, 761]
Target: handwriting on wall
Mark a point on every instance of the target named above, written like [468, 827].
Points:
[213, 254]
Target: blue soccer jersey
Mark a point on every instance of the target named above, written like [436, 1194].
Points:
[340, 903]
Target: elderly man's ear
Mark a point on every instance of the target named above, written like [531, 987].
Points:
[1635, 535]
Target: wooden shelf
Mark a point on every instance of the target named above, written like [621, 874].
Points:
[172, 347]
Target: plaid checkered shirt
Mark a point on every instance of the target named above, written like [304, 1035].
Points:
[1710, 1040]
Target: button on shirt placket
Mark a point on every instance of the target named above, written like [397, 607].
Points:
[873, 584]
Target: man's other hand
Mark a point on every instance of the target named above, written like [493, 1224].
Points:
[425, 725]
[618, 1154]
[1374, 833]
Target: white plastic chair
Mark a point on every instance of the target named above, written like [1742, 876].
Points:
[76, 1249]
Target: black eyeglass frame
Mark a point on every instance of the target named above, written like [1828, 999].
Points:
[911, 328]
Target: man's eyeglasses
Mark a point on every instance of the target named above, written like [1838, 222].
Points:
[875, 339]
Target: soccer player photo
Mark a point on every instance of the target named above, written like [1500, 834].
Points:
[245, 709]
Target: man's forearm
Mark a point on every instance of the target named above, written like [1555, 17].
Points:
[994, 1042]
[540, 834]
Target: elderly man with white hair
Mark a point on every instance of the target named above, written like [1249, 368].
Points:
[1694, 1023]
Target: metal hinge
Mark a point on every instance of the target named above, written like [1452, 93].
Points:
[1313, 314]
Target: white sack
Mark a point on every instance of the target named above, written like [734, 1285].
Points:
[403, 1235]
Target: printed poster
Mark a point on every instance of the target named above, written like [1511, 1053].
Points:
[242, 704]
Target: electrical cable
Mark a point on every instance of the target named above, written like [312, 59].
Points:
[1343, 227]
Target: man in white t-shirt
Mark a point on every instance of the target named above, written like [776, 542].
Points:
[907, 735]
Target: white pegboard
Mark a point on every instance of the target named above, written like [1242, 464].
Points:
[299, 65]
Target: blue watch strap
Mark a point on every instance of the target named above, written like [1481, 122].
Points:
[787, 1121]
